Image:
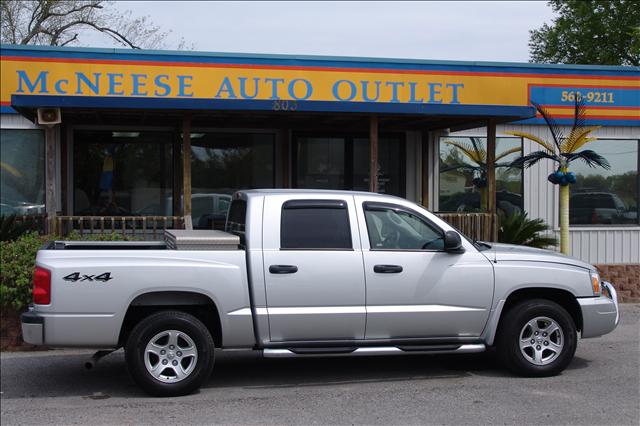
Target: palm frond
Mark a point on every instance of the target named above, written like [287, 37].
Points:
[508, 152]
[554, 127]
[477, 145]
[579, 115]
[546, 145]
[467, 150]
[10, 169]
[590, 157]
[507, 165]
[517, 228]
[529, 160]
[578, 138]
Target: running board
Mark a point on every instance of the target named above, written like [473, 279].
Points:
[367, 351]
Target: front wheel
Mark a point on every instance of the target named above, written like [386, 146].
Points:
[170, 353]
[537, 338]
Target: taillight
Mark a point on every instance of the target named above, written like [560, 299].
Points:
[41, 286]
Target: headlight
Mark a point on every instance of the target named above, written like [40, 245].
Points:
[595, 284]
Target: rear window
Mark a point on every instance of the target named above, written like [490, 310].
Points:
[237, 219]
[315, 224]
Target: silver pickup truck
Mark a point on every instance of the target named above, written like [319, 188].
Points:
[314, 273]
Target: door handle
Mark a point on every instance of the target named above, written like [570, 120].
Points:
[387, 269]
[283, 269]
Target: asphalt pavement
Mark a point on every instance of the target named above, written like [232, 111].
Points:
[601, 386]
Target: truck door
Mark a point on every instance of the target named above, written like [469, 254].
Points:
[313, 268]
[414, 288]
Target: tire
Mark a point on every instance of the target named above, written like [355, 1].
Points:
[170, 353]
[536, 338]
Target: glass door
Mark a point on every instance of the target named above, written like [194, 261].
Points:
[342, 162]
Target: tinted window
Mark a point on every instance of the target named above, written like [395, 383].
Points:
[22, 172]
[342, 162]
[222, 163]
[237, 218]
[607, 197]
[311, 225]
[463, 175]
[394, 229]
[122, 173]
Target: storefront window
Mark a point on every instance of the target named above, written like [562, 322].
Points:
[343, 163]
[222, 163]
[463, 180]
[606, 197]
[122, 173]
[22, 172]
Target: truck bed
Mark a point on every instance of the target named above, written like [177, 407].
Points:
[174, 239]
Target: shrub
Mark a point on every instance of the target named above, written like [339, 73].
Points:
[519, 229]
[115, 236]
[11, 228]
[18, 259]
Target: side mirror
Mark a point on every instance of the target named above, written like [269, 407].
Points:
[453, 242]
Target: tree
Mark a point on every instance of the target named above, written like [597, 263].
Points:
[563, 150]
[600, 32]
[65, 22]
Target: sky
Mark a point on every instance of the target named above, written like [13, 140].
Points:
[470, 31]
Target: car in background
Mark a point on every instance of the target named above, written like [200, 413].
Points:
[14, 203]
[587, 208]
[208, 210]
[507, 202]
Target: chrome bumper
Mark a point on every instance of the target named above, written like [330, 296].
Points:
[600, 315]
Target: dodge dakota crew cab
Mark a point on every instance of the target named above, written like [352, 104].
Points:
[314, 273]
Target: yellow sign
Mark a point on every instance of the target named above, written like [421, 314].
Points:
[613, 95]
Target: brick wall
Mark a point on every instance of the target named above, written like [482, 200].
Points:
[625, 278]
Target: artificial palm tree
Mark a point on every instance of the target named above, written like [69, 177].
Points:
[563, 149]
[478, 156]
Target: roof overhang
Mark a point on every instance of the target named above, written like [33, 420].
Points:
[463, 116]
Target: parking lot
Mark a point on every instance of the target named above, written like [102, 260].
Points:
[601, 386]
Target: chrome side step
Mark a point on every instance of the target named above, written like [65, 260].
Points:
[368, 351]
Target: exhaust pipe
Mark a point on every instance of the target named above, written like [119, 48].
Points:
[91, 362]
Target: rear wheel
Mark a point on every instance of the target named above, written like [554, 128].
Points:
[170, 353]
[537, 338]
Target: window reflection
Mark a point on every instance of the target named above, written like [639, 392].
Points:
[604, 197]
[320, 163]
[222, 163]
[22, 172]
[390, 165]
[122, 173]
[463, 175]
[343, 163]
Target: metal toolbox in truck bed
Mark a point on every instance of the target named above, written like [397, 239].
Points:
[180, 239]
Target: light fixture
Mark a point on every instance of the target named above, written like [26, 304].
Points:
[125, 134]
[193, 135]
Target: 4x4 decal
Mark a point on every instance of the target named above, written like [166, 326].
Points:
[104, 277]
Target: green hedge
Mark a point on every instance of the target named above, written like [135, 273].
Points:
[18, 261]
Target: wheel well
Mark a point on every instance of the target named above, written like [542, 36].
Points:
[561, 297]
[196, 304]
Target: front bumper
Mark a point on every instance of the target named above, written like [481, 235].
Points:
[32, 327]
[600, 315]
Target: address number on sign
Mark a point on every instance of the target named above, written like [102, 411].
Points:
[285, 105]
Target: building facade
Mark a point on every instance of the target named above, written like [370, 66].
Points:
[98, 139]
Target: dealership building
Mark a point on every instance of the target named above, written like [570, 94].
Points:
[134, 141]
